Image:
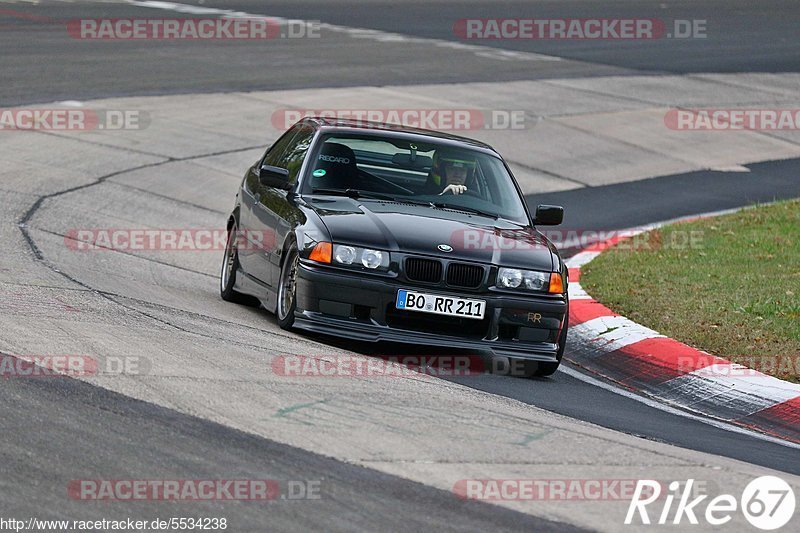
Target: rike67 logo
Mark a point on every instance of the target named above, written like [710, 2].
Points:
[767, 502]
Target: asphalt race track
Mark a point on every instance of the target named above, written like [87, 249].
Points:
[747, 37]
[387, 454]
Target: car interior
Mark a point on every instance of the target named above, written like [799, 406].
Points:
[404, 170]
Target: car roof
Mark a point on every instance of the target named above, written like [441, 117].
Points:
[395, 130]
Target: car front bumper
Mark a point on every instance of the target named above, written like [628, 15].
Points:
[362, 307]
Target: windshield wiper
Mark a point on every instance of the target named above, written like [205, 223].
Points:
[445, 205]
[354, 193]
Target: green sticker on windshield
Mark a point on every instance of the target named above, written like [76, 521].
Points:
[318, 173]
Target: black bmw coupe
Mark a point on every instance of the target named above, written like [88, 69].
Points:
[378, 232]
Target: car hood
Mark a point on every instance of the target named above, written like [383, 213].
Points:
[420, 229]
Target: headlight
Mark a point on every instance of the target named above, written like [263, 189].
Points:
[536, 281]
[353, 256]
[371, 258]
[345, 255]
[512, 278]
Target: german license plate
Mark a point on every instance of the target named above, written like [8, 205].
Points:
[440, 305]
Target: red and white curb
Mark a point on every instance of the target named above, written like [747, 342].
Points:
[642, 360]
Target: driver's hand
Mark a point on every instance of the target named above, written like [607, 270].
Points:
[454, 189]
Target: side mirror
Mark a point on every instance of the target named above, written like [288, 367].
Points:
[549, 215]
[277, 177]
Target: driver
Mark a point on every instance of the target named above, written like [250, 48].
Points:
[450, 172]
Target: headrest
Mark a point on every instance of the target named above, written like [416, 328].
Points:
[335, 167]
[336, 154]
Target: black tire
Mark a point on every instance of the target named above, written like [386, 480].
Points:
[287, 289]
[548, 369]
[227, 274]
[541, 369]
[529, 369]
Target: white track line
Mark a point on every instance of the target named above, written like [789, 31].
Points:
[671, 410]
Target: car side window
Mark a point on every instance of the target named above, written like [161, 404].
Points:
[293, 157]
[278, 150]
[287, 152]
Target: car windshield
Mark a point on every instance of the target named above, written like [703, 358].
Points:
[389, 168]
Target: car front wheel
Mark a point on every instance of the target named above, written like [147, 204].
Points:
[287, 289]
[542, 369]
